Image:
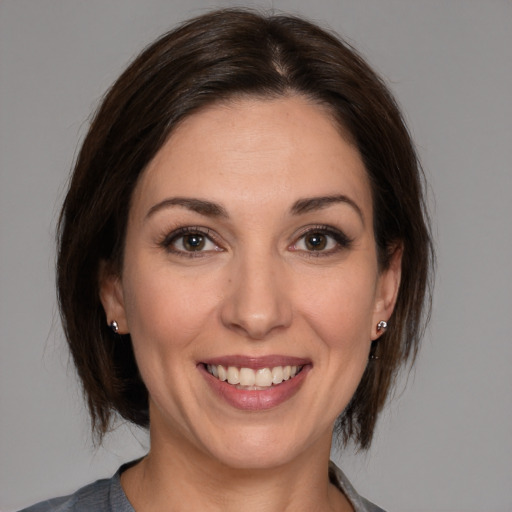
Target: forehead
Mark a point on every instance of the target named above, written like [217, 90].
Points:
[256, 151]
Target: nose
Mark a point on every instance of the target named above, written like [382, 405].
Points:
[257, 301]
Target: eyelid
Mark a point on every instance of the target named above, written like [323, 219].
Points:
[168, 240]
[342, 240]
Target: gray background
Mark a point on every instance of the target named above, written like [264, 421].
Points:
[445, 443]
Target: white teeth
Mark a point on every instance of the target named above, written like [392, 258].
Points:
[221, 373]
[277, 375]
[263, 377]
[233, 375]
[249, 378]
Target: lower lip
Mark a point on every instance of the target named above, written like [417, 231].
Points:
[256, 400]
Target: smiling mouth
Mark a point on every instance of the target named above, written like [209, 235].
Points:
[249, 379]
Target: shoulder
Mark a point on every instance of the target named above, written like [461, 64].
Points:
[359, 503]
[101, 496]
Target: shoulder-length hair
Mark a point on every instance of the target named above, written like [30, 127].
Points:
[215, 57]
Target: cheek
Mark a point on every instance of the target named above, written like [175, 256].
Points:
[161, 303]
[165, 317]
[340, 309]
[343, 318]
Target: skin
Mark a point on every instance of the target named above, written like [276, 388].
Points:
[256, 288]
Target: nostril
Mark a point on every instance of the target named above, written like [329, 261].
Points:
[256, 303]
[258, 327]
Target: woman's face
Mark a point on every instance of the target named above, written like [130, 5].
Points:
[250, 255]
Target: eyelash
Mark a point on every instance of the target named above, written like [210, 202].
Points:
[174, 236]
[341, 240]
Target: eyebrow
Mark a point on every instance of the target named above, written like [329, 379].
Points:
[310, 204]
[211, 209]
[200, 206]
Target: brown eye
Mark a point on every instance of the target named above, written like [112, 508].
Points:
[194, 242]
[322, 241]
[315, 241]
[190, 241]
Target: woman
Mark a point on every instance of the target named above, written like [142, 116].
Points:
[243, 266]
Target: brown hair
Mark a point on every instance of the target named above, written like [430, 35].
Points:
[211, 58]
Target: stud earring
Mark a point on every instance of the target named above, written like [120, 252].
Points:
[382, 325]
[114, 326]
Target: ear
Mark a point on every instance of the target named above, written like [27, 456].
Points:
[111, 296]
[387, 290]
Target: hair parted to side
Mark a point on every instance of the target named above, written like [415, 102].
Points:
[215, 57]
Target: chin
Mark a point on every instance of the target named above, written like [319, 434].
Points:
[264, 447]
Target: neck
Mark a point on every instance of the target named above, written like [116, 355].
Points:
[177, 477]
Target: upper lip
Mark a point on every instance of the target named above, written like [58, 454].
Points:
[256, 363]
